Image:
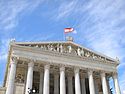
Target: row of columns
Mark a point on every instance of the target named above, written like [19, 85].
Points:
[45, 87]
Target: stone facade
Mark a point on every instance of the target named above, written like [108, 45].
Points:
[58, 68]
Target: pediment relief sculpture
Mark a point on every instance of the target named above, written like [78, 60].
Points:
[69, 48]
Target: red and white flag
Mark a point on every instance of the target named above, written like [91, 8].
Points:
[67, 30]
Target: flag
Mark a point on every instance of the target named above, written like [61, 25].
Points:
[67, 30]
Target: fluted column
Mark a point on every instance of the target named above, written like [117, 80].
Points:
[62, 81]
[117, 88]
[56, 84]
[29, 80]
[77, 81]
[10, 86]
[104, 83]
[41, 83]
[107, 80]
[91, 82]
[70, 87]
[46, 79]
[83, 88]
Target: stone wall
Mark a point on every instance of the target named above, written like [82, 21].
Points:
[19, 88]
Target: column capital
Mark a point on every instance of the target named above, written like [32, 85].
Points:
[62, 68]
[115, 75]
[102, 74]
[31, 64]
[90, 72]
[14, 60]
[76, 70]
[47, 66]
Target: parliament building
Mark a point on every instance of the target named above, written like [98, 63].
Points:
[58, 67]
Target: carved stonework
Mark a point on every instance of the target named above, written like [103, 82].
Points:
[71, 49]
[19, 78]
[13, 59]
[20, 75]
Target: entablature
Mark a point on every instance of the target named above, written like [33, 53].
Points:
[63, 58]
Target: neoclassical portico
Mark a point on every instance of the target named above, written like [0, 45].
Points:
[58, 68]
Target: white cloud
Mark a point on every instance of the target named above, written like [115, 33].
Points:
[123, 92]
[66, 9]
[11, 10]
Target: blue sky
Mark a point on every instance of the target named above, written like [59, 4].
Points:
[100, 25]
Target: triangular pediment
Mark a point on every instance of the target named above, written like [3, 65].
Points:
[66, 47]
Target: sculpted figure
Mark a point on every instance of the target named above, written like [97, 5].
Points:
[82, 52]
[94, 56]
[48, 47]
[70, 49]
[78, 52]
[44, 47]
[87, 54]
[58, 47]
[51, 48]
[30, 45]
[36, 46]
[41, 47]
[61, 48]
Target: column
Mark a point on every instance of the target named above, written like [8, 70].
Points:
[83, 88]
[29, 80]
[10, 86]
[62, 81]
[91, 82]
[41, 83]
[107, 80]
[117, 88]
[46, 79]
[56, 84]
[104, 84]
[77, 82]
[70, 87]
